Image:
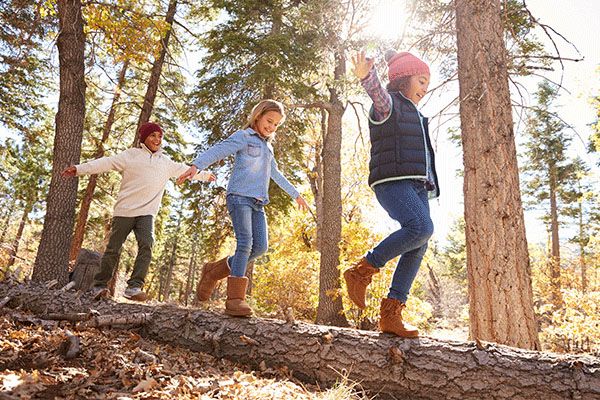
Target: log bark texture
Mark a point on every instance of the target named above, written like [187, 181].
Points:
[422, 368]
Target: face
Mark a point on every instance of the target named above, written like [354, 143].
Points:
[417, 87]
[267, 124]
[153, 141]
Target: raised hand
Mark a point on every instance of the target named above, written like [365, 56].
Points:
[187, 175]
[69, 171]
[362, 65]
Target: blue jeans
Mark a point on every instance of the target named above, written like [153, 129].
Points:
[250, 228]
[406, 202]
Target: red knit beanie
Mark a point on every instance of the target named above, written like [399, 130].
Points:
[148, 128]
[404, 64]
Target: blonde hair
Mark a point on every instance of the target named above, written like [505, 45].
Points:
[264, 106]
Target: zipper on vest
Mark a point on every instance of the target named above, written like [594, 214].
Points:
[425, 149]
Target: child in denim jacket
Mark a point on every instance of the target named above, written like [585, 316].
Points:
[247, 194]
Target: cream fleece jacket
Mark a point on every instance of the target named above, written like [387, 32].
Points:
[144, 177]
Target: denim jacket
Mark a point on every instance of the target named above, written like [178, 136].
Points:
[253, 167]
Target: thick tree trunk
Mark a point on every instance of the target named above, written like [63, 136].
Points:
[156, 71]
[383, 364]
[86, 202]
[53, 252]
[330, 309]
[15, 246]
[316, 178]
[500, 294]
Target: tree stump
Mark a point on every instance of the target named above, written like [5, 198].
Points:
[86, 266]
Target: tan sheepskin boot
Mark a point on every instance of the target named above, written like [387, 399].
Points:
[212, 273]
[357, 279]
[236, 297]
[391, 319]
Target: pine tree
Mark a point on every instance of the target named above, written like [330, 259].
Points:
[53, 252]
[548, 172]
[500, 293]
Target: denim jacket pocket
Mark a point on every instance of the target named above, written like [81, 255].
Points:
[253, 150]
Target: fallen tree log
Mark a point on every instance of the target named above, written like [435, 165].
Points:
[422, 368]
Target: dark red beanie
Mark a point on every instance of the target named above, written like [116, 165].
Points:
[404, 64]
[148, 128]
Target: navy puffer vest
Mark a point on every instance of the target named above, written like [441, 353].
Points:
[398, 145]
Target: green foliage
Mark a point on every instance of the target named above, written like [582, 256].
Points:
[23, 71]
[547, 168]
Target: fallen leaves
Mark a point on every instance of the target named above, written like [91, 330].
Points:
[120, 364]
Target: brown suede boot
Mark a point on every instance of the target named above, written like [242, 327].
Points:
[357, 279]
[211, 274]
[391, 319]
[236, 297]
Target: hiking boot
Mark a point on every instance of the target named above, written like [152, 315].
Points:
[357, 279]
[235, 304]
[391, 319]
[212, 273]
[135, 294]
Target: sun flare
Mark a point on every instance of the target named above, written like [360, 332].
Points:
[388, 19]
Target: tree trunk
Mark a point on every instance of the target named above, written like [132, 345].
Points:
[191, 275]
[330, 309]
[582, 261]
[15, 246]
[383, 364]
[499, 281]
[156, 72]
[316, 178]
[53, 252]
[554, 260]
[172, 258]
[91, 185]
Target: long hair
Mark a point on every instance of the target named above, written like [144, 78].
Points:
[264, 106]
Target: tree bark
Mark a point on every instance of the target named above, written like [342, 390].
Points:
[383, 364]
[499, 281]
[86, 202]
[191, 275]
[330, 309]
[155, 73]
[53, 252]
[15, 246]
[172, 260]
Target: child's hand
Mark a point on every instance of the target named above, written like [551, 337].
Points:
[187, 175]
[70, 171]
[302, 203]
[211, 177]
[362, 65]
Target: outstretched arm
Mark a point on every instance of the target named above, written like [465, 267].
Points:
[98, 166]
[282, 182]
[364, 70]
[216, 153]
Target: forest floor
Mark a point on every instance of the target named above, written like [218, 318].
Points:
[120, 364]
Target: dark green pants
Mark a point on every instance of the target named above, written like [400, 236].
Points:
[143, 227]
